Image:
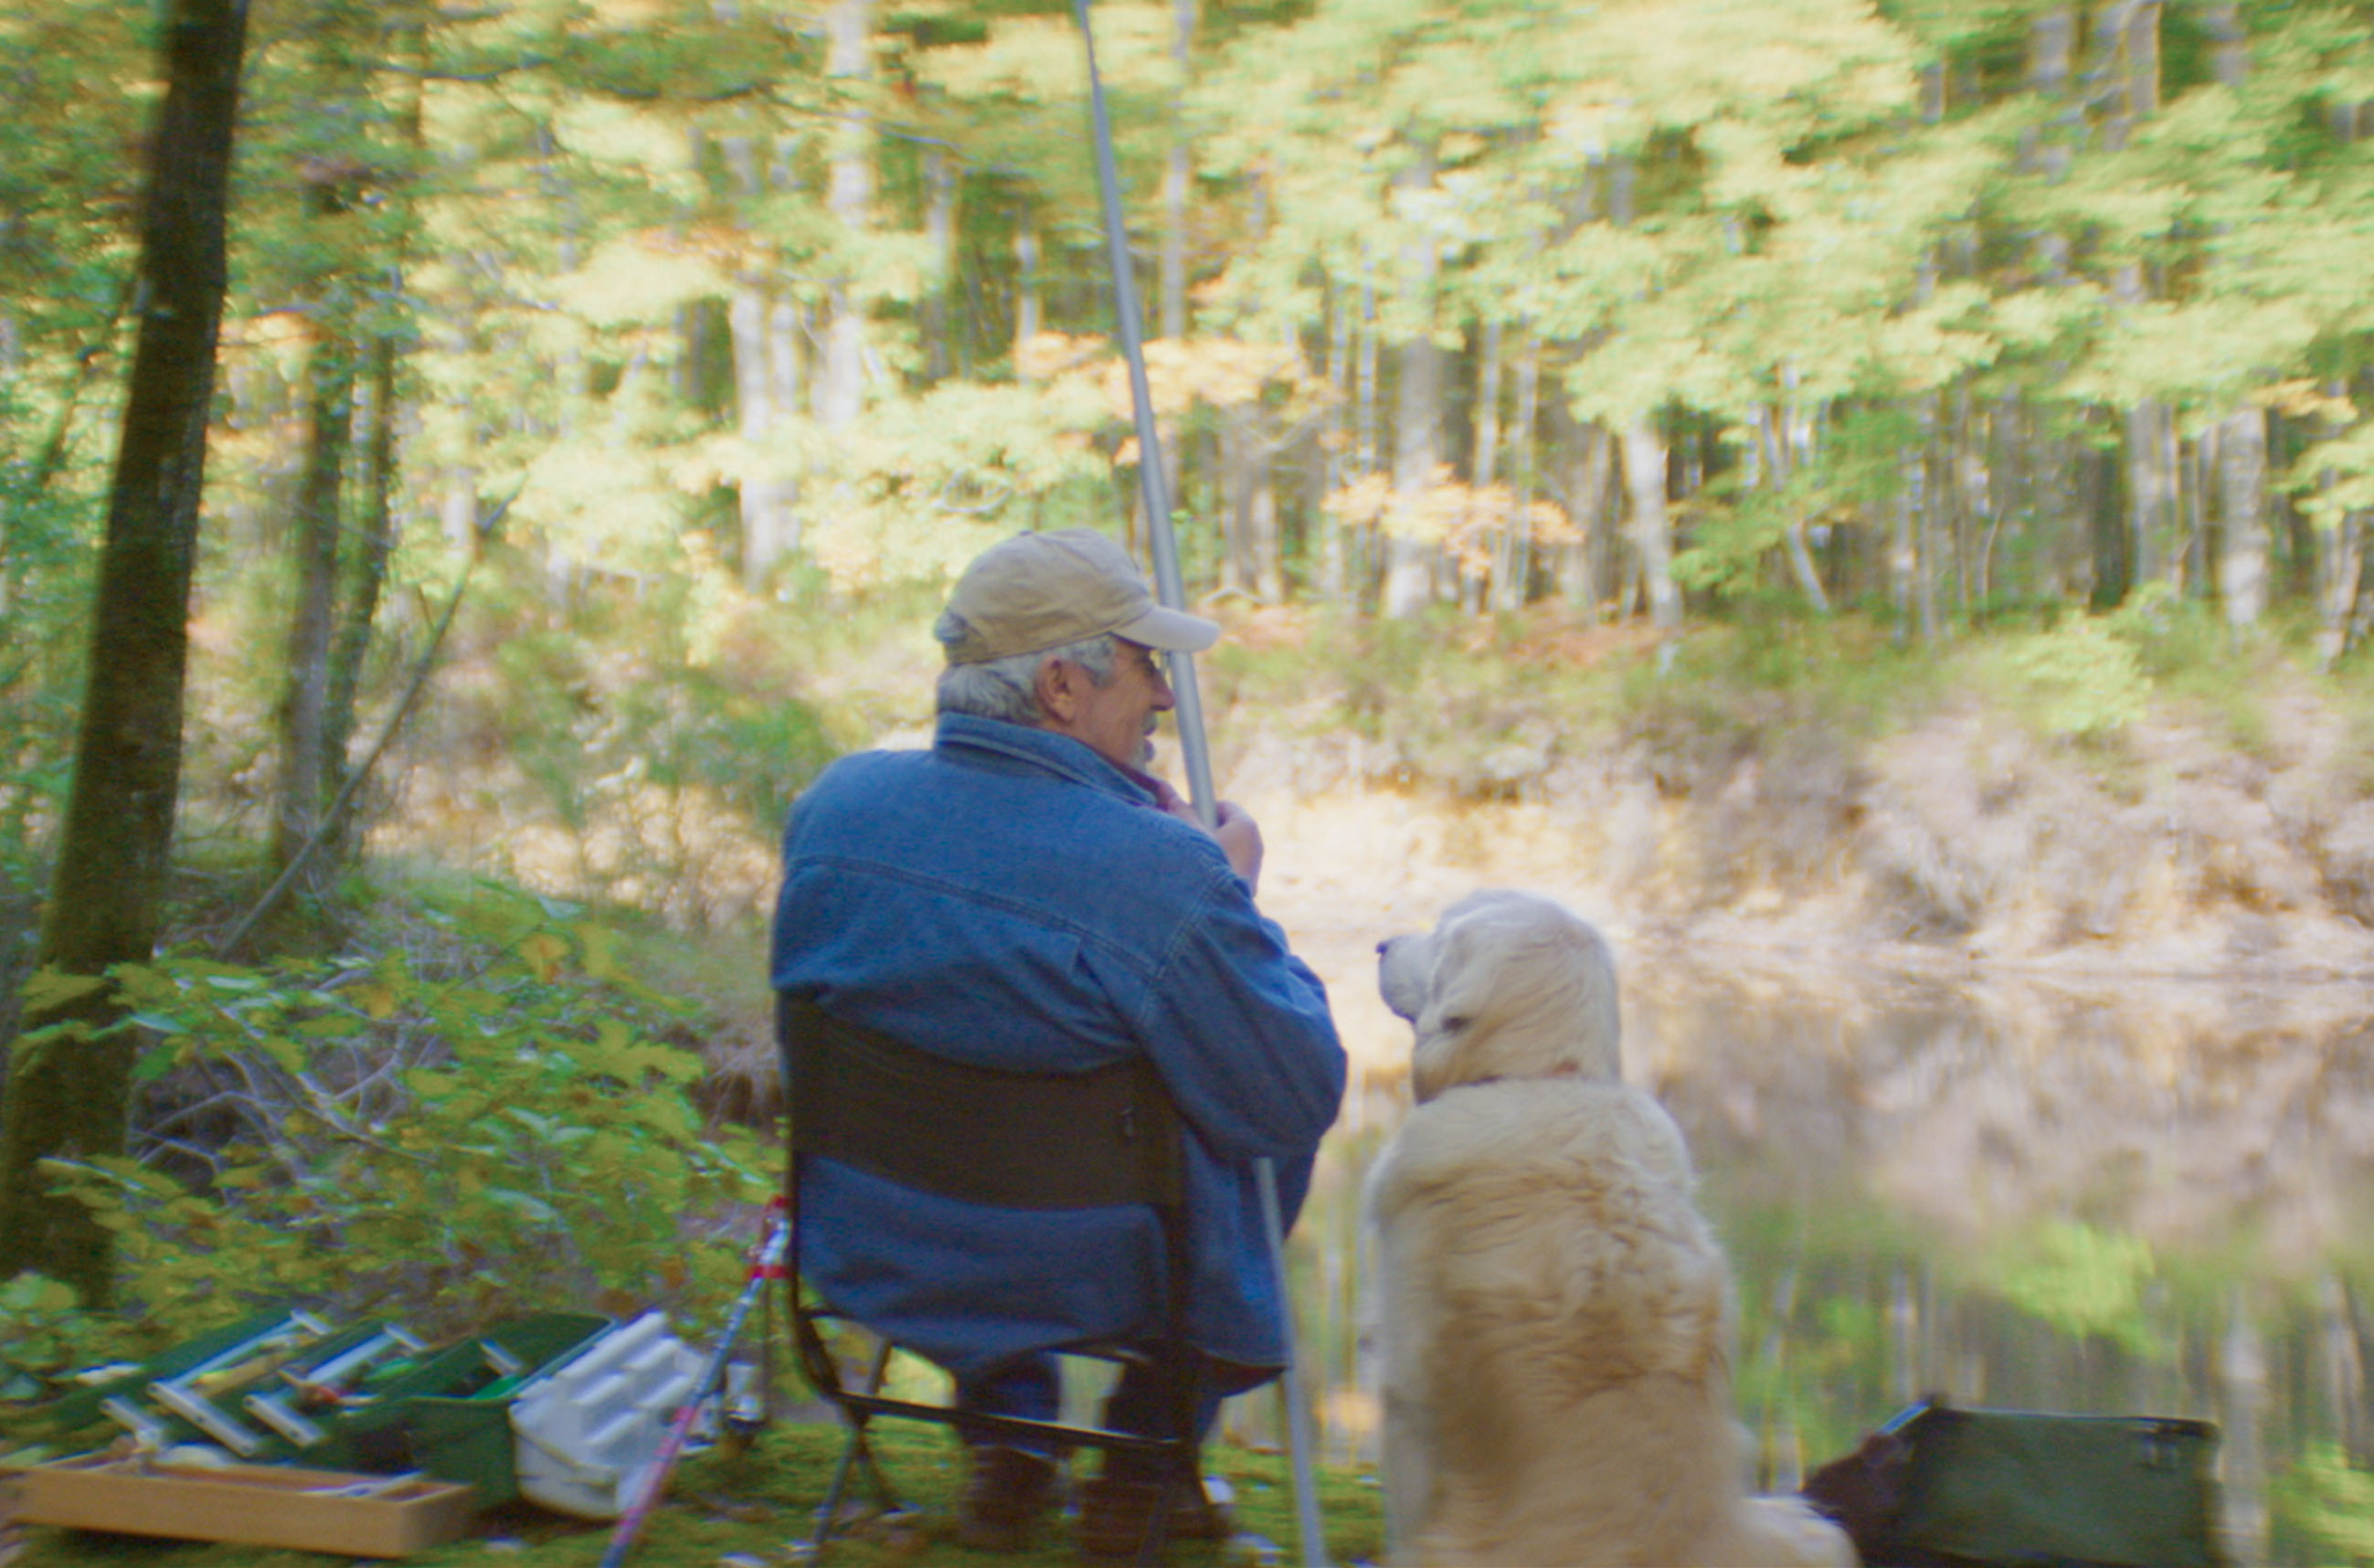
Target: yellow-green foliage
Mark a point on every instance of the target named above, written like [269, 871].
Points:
[445, 1141]
[44, 1336]
[2081, 1281]
[2078, 680]
[2330, 1503]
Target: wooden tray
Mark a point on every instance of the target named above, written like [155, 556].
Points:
[255, 1504]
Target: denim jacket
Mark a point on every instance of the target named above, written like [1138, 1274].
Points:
[1012, 898]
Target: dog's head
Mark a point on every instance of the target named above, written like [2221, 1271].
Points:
[1508, 985]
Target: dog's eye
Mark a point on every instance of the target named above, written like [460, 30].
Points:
[1454, 1023]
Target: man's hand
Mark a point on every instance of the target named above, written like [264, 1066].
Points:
[1239, 835]
[1240, 840]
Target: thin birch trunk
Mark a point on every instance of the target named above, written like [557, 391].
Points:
[1904, 552]
[1027, 303]
[1417, 422]
[319, 503]
[762, 500]
[2199, 460]
[1333, 574]
[1236, 504]
[1485, 465]
[1921, 501]
[1177, 175]
[1772, 442]
[849, 197]
[1366, 551]
[2242, 561]
[351, 644]
[1513, 568]
[2152, 487]
[940, 235]
[2242, 488]
[1263, 535]
[1652, 538]
[1583, 566]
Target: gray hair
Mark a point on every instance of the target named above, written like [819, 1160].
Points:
[1007, 688]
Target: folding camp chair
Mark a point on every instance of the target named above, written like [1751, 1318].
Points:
[1009, 1141]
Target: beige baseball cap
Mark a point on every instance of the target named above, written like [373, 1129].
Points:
[1035, 592]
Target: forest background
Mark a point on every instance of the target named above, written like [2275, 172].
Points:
[1889, 478]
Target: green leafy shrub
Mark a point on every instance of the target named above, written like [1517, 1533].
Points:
[2080, 680]
[2194, 660]
[447, 1136]
[2326, 1503]
[2083, 1281]
[44, 1336]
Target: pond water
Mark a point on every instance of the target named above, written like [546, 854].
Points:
[2137, 1201]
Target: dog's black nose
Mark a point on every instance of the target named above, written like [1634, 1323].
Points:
[1382, 946]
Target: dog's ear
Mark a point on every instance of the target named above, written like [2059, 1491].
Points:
[1523, 988]
[1405, 973]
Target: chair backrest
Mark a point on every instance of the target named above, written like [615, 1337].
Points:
[1009, 1141]
[982, 1135]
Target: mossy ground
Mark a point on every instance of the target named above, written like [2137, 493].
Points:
[750, 1506]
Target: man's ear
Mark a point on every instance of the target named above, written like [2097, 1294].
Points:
[1057, 686]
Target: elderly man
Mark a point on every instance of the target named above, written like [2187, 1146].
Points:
[1023, 895]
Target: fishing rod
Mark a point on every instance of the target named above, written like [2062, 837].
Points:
[1169, 588]
[767, 1266]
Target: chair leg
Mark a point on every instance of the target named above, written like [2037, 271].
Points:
[856, 1449]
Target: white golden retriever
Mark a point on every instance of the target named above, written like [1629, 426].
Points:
[1557, 1318]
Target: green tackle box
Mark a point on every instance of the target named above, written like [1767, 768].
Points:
[450, 1415]
[126, 1386]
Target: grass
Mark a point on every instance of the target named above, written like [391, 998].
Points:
[754, 1503]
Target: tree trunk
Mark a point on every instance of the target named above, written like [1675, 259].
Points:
[940, 230]
[1653, 535]
[1369, 456]
[766, 497]
[2197, 461]
[1772, 440]
[1484, 463]
[2051, 55]
[1904, 554]
[2229, 46]
[764, 331]
[1178, 175]
[1512, 567]
[1027, 306]
[304, 702]
[366, 578]
[1262, 532]
[849, 196]
[1417, 451]
[2341, 582]
[1236, 504]
[2113, 531]
[2242, 473]
[2151, 487]
[1417, 421]
[351, 645]
[1333, 573]
[69, 1092]
[1583, 565]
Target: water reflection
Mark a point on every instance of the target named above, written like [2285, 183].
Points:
[2149, 1200]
